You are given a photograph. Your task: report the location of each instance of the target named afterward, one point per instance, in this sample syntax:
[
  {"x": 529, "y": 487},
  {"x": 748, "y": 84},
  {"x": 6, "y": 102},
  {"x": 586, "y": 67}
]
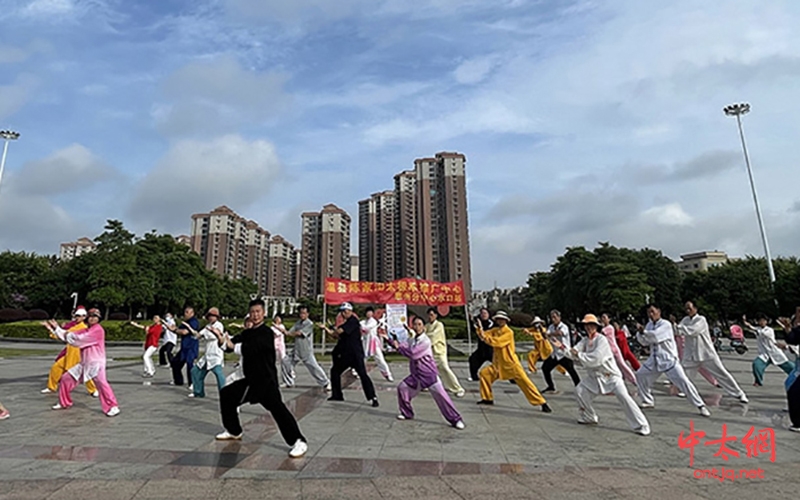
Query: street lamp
[
  {"x": 6, "y": 135},
  {"x": 738, "y": 110}
]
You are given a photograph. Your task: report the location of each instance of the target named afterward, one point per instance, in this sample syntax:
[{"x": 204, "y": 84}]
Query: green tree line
[
  {"x": 128, "y": 274},
  {"x": 621, "y": 281}
]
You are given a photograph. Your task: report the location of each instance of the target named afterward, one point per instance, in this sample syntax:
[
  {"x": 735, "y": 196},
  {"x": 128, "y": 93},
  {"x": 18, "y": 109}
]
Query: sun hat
[
  {"x": 213, "y": 312},
  {"x": 80, "y": 311},
  {"x": 501, "y": 315},
  {"x": 347, "y": 306},
  {"x": 95, "y": 312},
  {"x": 590, "y": 318},
  {"x": 537, "y": 320}
]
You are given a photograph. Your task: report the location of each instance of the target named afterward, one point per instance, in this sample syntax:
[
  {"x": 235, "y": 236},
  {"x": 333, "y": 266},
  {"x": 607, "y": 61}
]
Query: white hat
[
  {"x": 80, "y": 312},
  {"x": 501, "y": 315},
  {"x": 347, "y": 306},
  {"x": 536, "y": 320}
]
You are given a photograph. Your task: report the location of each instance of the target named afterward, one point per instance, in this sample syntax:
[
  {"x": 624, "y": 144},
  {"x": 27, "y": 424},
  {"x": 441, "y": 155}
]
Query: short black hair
[
  {"x": 434, "y": 311},
  {"x": 257, "y": 302},
  {"x": 653, "y": 304},
  {"x": 368, "y": 309},
  {"x": 302, "y": 308},
  {"x": 761, "y": 316}
]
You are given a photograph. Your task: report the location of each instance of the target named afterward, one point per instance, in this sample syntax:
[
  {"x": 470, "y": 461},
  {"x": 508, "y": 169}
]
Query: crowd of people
[{"x": 679, "y": 350}]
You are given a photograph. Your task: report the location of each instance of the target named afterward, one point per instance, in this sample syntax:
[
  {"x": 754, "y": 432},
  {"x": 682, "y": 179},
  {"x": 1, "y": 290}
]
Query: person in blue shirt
[{"x": 190, "y": 346}]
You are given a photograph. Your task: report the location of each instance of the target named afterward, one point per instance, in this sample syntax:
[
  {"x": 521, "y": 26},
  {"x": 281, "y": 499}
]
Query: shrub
[
  {"x": 118, "y": 316},
  {"x": 38, "y": 315},
  {"x": 520, "y": 320},
  {"x": 115, "y": 331},
  {"x": 10, "y": 315}
]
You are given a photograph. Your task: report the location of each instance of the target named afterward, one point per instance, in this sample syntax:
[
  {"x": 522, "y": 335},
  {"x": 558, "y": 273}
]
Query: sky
[{"x": 582, "y": 121}]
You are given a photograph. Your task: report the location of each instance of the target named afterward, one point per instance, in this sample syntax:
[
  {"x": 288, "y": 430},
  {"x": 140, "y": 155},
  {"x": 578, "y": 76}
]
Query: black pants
[
  {"x": 233, "y": 396},
  {"x": 165, "y": 354},
  {"x": 341, "y": 365},
  {"x": 793, "y": 395},
  {"x": 482, "y": 354},
  {"x": 177, "y": 364},
  {"x": 551, "y": 362}
]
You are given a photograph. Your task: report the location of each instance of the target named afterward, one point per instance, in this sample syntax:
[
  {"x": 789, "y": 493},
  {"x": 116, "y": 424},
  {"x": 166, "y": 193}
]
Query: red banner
[{"x": 409, "y": 291}]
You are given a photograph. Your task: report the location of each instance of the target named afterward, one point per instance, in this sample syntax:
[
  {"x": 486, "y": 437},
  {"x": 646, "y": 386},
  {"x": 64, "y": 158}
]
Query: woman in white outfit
[
  {"x": 603, "y": 377},
  {"x": 373, "y": 346}
]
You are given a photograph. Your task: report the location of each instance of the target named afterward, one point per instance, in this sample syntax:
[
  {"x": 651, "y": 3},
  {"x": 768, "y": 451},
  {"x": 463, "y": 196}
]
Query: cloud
[
  {"x": 15, "y": 95},
  {"x": 34, "y": 223},
  {"x": 63, "y": 171},
  {"x": 297, "y": 11},
  {"x": 473, "y": 70},
  {"x": 49, "y": 8},
  {"x": 703, "y": 166},
  {"x": 668, "y": 215},
  {"x": 196, "y": 176},
  {"x": 14, "y": 54},
  {"x": 218, "y": 95}
]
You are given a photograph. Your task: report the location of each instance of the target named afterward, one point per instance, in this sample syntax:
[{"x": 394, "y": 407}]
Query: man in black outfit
[
  {"x": 349, "y": 353},
  {"x": 484, "y": 352},
  {"x": 256, "y": 345}
]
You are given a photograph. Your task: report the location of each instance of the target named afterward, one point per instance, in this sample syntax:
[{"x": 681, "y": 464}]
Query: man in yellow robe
[
  {"x": 505, "y": 364},
  {"x": 69, "y": 357}
]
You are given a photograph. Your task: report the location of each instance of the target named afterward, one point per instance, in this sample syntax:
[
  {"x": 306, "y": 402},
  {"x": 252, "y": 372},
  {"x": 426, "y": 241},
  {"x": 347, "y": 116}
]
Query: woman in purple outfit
[{"x": 424, "y": 375}]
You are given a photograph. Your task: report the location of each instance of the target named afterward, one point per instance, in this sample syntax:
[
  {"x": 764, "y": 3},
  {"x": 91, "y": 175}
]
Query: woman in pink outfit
[
  {"x": 92, "y": 343},
  {"x": 610, "y": 334}
]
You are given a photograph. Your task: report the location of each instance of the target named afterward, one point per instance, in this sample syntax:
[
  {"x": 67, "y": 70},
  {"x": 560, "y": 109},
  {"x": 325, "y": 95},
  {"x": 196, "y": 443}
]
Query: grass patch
[{"x": 20, "y": 353}]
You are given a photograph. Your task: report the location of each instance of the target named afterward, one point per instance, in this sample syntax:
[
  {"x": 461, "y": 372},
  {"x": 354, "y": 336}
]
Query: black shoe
[
  {"x": 546, "y": 408},
  {"x": 549, "y": 389},
  {"x": 512, "y": 381},
  {"x": 335, "y": 399},
  {"x": 375, "y": 403},
  {"x": 486, "y": 402}
]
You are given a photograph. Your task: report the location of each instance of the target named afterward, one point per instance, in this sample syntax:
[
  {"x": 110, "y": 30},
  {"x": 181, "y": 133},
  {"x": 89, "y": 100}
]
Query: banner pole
[
  {"x": 324, "y": 322},
  {"x": 469, "y": 330}
]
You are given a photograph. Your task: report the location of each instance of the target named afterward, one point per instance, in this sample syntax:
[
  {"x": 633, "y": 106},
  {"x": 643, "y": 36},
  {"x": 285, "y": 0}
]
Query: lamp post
[
  {"x": 7, "y": 136},
  {"x": 738, "y": 110}
]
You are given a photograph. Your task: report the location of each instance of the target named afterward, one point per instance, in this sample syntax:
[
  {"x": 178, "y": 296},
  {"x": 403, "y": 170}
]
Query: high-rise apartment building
[
  {"x": 325, "y": 248},
  {"x": 405, "y": 225},
  {"x": 376, "y": 237},
  {"x": 233, "y": 246},
  {"x": 281, "y": 268},
  {"x": 76, "y": 248}
]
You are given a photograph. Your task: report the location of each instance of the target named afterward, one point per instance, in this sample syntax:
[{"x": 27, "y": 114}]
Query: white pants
[
  {"x": 149, "y": 367},
  {"x": 716, "y": 368},
  {"x": 449, "y": 378},
  {"x": 383, "y": 366},
  {"x": 645, "y": 378},
  {"x": 633, "y": 414}
]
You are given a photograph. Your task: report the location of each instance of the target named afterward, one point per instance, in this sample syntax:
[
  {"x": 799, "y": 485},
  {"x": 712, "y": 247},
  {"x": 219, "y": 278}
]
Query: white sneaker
[
  {"x": 704, "y": 411},
  {"x": 58, "y": 407},
  {"x": 681, "y": 394},
  {"x": 647, "y": 405},
  {"x": 584, "y": 421},
  {"x": 191, "y": 387},
  {"x": 643, "y": 431},
  {"x": 190, "y": 395},
  {"x": 401, "y": 417},
  {"x": 113, "y": 412},
  {"x": 461, "y": 393},
  {"x": 794, "y": 429},
  {"x": 390, "y": 378},
  {"x": 460, "y": 425},
  {"x": 96, "y": 394},
  {"x": 46, "y": 391},
  {"x": 227, "y": 436},
  {"x": 328, "y": 387},
  {"x": 743, "y": 399},
  {"x": 299, "y": 449}
]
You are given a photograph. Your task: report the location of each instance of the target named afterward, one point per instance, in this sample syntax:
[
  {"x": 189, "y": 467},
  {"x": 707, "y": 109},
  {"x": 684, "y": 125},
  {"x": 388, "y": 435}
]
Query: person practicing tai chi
[
  {"x": 699, "y": 352},
  {"x": 256, "y": 345},
  {"x": 680, "y": 343},
  {"x": 348, "y": 353},
  {"x": 190, "y": 346},
  {"x": 303, "y": 333},
  {"x": 423, "y": 375},
  {"x": 213, "y": 360},
  {"x": 170, "y": 341},
  {"x": 603, "y": 377},
  {"x": 435, "y": 332},
  {"x": 558, "y": 333},
  {"x": 768, "y": 351},
  {"x": 505, "y": 364},
  {"x": 792, "y": 383},
  {"x": 92, "y": 344},
  {"x": 373, "y": 347},
  {"x": 153, "y": 333},
  {"x": 663, "y": 359},
  {"x": 624, "y": 348},
  {"x": 608, "y": 331},
  {"x": 483, "y": 352},
  {"x": 69, "y": 356}
]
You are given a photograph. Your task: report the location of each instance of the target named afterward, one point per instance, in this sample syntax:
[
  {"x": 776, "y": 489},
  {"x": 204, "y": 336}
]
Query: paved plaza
[{"x": 162, "y": 444}]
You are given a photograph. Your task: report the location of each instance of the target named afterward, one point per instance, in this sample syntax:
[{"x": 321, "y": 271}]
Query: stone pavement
[{"x": 162, "y": 446}]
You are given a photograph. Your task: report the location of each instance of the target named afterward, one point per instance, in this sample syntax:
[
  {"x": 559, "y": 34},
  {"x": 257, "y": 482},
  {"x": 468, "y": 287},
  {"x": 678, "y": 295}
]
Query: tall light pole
[
  {"x": 7, "y": 136},
  {"x": 738, "y": 110}
]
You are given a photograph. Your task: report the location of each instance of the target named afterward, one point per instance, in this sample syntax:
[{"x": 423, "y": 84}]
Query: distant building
[
  {"x": 354, "y": 268},
  {"x": 183, "y": 240},
  {"x": 510, "y": 298},
  {"x": 702, "y": 261},
  {"x": 325, "y": 248},
  {"x": 233, "y": 246},
  {"x": 76, "y": 248},
  {"x": 376, "y": 237}
]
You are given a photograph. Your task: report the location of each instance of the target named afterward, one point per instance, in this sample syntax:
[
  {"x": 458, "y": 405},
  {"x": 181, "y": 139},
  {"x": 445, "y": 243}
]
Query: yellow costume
[
  {"x": 506, "y": 366},
  {"x": 542, "y": 349},
  {"x": 67, "y": 361},
  {"x": 435, "y": 332}
]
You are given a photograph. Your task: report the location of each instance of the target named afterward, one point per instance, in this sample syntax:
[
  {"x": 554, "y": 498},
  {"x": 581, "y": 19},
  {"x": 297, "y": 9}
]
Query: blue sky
[{"x": 582, "y": 121}]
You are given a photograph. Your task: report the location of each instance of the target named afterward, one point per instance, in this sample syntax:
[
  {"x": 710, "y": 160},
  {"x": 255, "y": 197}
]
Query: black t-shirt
[
  {"x": 349, "y": 343},
  {"x": 258, "y": 360}
]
